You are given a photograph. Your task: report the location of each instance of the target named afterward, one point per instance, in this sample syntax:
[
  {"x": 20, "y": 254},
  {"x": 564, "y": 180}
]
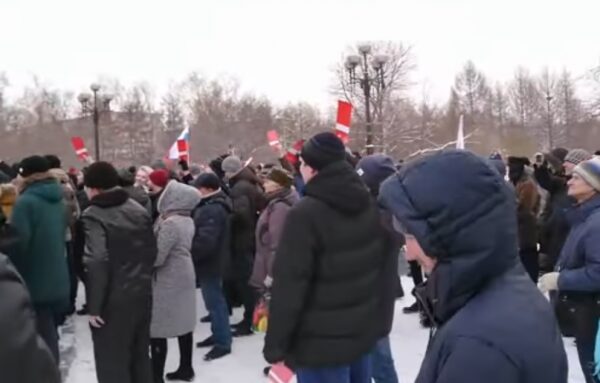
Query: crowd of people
[{"x": 317, "y": 238}]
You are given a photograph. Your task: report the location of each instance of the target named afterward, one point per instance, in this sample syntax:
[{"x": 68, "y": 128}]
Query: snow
[{"x": 246, "y": 362}]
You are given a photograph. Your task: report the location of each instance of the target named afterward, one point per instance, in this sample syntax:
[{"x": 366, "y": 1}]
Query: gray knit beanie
[{"x": 577, "y": 156}]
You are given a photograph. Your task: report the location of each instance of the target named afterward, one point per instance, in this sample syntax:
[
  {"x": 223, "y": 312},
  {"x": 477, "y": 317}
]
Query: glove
[
  {"x": 184, "y": 165},
  {"x": 548, "y": 282},
  {"x": 268, "y": 282}
]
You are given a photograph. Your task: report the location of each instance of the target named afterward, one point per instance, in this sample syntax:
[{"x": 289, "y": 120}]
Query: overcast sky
[{"x": 285, "y": 49}]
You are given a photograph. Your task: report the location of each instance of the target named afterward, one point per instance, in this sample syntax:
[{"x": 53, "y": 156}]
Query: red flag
[
  {"x": 344, "y": 118},
  {"x": 293, "y": 152},
  {"x": 273, "y": 138},
  {"x": 279, "y": 373},
  {"x": 80, "y": 148},
  {"x": 182, "y": 147}
]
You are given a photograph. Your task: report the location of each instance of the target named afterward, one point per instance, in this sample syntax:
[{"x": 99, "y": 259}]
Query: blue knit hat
[{"x": 375, "y": 169}]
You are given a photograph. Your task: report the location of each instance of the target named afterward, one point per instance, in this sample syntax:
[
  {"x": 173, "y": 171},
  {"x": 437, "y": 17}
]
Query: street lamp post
[
  {"x": 95, "y": 104},
  {"x": 372, "y": 78}
]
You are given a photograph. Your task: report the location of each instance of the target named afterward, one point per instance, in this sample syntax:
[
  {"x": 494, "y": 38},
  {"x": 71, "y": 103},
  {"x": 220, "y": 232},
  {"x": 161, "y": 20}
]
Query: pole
[
  {"x": 366, "y": 85},
  {"x": 550, "y": 135},
  {"x": 96, "y": 118}
]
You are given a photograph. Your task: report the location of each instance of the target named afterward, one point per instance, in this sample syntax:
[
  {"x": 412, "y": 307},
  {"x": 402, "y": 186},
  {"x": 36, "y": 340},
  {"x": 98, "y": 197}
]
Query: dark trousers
[
  {"x": 214, "y": 300},
  {"x": 384, "y": 370},
  {"x": 529, "y": 258},
  {"x": 357, "y": 372},
  {"x": 121, "y": 345},
  {"x": 73, "y": 280},
  {"x": 415, "y": 272},
  {"x": 586, "y": 327},
  {"x": 47, "y": 329},
  {"x": 158, "y": 349},
  {"x": 249, "y": 299}
]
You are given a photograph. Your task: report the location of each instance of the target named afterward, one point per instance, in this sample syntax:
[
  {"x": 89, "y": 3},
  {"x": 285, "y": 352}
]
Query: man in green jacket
[{"x": 40, "y": 257}]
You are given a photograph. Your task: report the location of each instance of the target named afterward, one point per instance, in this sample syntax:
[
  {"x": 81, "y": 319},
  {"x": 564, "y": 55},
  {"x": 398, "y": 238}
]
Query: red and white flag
[
  {"x": 279, "y": 373},
  {"x": 273, "y": 138},
  {"x": 80, "y": 148},
  {"x": 182, "y": 148},
  {"x": 344, "y": 118}
]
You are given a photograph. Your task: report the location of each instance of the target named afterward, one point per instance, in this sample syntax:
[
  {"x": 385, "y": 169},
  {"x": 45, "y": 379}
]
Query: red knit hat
[{"x": 159, "y": 177}]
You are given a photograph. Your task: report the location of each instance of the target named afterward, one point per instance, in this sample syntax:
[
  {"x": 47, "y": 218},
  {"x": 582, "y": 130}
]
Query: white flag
[{"x": 460, "y": 139}]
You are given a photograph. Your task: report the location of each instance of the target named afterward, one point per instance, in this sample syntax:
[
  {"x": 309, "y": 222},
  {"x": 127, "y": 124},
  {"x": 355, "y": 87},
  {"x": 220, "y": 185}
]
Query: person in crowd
[
  {"x": 120, "y": 252},
  {"x": 8, "y": 195},
  {"x": 174, "y": 282},
  {"x": 215, "y": 167},
  {"x": 136, "y": 193},
  {"x": 24, "y": 356},
  {"x": 326, "y": 308},
  {"x": 553, "y": 226},
  {"x": 157, "y": 181},
  {"x": 574, "y": 158},
  {"x": 280, "y": 197},
  {"x": 290, "y": 161},
  {"x": 374, "y": 170},
  {"x": 211, "y": 252},
  {"x": 39, "y": 218},
  {"x": 142, "y": 177},
  {"x": 492, "y": 325},
  {"x": 185, "y": 175},
  {"x": 577, "y": 278},
  {"x": 72, "y": 214},
  {"x": 247, "y": 200},
  {"x": 527, "y": 208},
  {"x": 497, "y": 162}
]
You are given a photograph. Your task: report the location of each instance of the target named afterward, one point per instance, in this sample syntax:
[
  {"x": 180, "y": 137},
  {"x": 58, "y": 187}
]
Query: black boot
[
  {"x": 216, "y": 353},
  {"x": 185, "y": 375},
  {"x": 158, "y": 350},
  {"x": 242, "y": 331},
  {"x": 205, "y": 319},
  {"x": 412, "y": 309},
  {"x": 185, "y": 372},
  {"x": 208, "y": 342}
]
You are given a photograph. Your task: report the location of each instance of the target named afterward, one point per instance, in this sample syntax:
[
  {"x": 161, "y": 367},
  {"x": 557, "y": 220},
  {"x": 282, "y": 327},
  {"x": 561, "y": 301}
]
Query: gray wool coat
[{"x": 174, "y": 284}]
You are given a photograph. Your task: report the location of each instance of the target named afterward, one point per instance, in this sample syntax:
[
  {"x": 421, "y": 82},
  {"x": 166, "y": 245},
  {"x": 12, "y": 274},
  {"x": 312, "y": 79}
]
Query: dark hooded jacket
[
  {"x": 327, "y": 308},
  {"x": 211, "y": 247},
  {"x": 493, "y": 325},
  {"x": 24, "y": 357},
  {"x": 247, "y": 200}
]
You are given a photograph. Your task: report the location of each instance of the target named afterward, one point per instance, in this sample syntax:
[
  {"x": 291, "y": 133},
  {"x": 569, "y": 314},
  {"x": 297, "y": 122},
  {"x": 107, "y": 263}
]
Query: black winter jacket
[
  {"x": 327, "y": 305},
  {"x": 493, "y": 325},
  {"x": 120, "y": 250},
  {"x": 247, "y": 200},
  {"x": 24, "y": 357},
  {"x": 211, "y": 247}
]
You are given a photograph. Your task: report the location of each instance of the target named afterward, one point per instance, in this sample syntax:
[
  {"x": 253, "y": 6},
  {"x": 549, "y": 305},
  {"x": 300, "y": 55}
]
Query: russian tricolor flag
[{"x": 174, "y": 151}]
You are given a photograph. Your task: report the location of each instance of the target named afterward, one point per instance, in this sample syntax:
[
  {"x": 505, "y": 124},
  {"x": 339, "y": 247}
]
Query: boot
[
  {"x": 216, "y": 353},
  {"x": 185, "y": 375},
  {"x": 208, "y": 342}
]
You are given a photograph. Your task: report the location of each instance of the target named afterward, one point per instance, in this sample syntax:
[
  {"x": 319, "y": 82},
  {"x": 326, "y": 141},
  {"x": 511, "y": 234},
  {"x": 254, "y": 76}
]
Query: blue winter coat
[
  {"x": 493, "y": 325},
  {"x": 579, "y": 262}
]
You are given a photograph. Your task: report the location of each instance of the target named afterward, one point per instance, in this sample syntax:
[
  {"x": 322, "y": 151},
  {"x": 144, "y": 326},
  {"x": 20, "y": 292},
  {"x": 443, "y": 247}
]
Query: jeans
[
  {"x": 382, "y": 362},
  {"x": 214, "y": 300},
  {"x": 586, "y": 344},
  {"x": 357, "y": 372},
  {"x": 47, "y": 329}
]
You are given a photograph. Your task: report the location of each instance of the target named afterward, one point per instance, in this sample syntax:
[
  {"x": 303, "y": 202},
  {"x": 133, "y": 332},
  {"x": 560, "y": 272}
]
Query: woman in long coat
[{"x": 174, "y": 285}]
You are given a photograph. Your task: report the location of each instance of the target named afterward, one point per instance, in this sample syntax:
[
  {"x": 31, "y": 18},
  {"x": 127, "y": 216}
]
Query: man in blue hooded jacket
[{"x": 490, "y": 322}]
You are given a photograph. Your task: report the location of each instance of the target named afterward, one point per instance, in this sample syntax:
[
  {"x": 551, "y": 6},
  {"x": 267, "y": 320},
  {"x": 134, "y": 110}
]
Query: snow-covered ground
[{"x": 246, "y": 363}]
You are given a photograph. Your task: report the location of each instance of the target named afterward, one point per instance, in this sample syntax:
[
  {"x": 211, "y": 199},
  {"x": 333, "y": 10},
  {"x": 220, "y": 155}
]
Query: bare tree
[
  {"x": 299, "y": 121},
  {"x": 500, "y": 108},
  {"x": 547, "y": 85},
  {"x": 396, "y": 77},
  {"x": 524, "y": 98},
  {"x": 473, "y": 93}
]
